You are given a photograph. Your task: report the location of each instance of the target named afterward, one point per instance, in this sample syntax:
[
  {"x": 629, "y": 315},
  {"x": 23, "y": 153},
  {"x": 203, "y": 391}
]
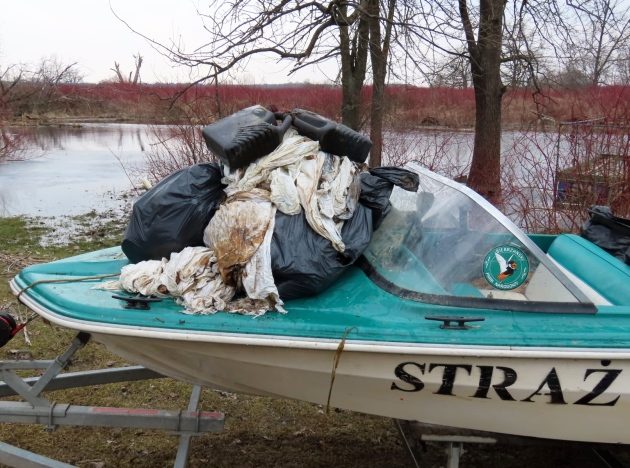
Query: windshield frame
[
  {"x": 583, "y": 305},
  {"x": 473, "y": 302}
]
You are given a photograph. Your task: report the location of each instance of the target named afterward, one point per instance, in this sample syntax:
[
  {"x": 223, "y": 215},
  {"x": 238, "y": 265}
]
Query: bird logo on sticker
[{"x": 505, "y": 267}]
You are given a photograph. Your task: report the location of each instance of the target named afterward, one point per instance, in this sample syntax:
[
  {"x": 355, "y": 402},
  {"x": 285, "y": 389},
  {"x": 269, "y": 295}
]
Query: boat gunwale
[{"x": 319, "y": 344}]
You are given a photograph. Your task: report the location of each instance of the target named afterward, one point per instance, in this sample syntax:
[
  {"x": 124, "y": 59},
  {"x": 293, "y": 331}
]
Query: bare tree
[
  {"x": 24, "y": 90},
  {"x": 485, "y": 62},
  {"x": 119, "y": 75},
  {"x": 463, "y": 30},
  {"x": 10, "y": 77},
  {"x": 175, "y": 147},
  {"x": 450, "y": 71},
  {"x": 136, "y": 73},
  {"x": 379, "y": 55},
  {"x": 601, "y": 31},
  {"x": 570, "y": 76},
  {"x": 605, "y": 22},
  {"x": 308, "y": 33},
  {"x": 50, "y": 73},
  {"x": 497, "y": 43},
  {"x": 622, "y": 65},
  {"x": 353, "y": 53},
  {"x": 11, "y": 143}
]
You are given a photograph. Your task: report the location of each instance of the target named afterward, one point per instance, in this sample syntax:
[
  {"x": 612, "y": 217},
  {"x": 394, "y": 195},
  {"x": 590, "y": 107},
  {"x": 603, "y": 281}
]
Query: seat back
[{"x": 607, "y": 275}]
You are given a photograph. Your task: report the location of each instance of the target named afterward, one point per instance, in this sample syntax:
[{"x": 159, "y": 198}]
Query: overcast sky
[{"x": 87, "y": 32}]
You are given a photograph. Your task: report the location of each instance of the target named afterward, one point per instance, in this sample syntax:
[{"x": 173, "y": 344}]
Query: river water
[{"x": 73, "y": 170}]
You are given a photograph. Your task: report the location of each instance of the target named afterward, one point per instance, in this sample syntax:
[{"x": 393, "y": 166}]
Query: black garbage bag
[
  {"x": 174, "y": 213},
  {"x": 377, "y": 186},
  {"x": 304, "y": 263},
  {"x": 608, "y": 232}
]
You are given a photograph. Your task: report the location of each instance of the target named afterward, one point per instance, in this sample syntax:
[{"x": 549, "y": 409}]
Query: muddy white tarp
[
  {"x": 240, "y": 234},
  {"x": 190, "y": 276}
]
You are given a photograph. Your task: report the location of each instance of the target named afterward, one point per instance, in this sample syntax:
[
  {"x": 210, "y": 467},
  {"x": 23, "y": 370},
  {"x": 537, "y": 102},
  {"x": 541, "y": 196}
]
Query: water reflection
[
  {"x": 115, "y": 136},
  {"x": 77, "y": 169},
  {"x": 445, "y": 151}
]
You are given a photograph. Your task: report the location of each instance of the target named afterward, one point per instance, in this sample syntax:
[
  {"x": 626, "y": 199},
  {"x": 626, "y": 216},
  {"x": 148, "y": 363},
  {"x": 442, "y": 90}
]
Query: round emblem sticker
[{"x": 505, "y": 267}]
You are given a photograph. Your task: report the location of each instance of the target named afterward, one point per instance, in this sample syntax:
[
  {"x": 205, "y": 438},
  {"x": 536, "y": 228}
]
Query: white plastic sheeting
[
  {"x": 190, "y": 276},
  {"x": 319, "y": 220},
  {"x": 293, "y": 149},
  {"x": 329, "y": 188},
  {"x": 345, "y": 189},
  {"x": 258, "y": 278},
  {"x": 144, "y": 280},
  {"x": 284, "y": 194},
  {"x": 325, "y": 186}
]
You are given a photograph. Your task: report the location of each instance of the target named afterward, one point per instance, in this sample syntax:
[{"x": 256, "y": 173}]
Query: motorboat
[{"x": 453, "y": 316}]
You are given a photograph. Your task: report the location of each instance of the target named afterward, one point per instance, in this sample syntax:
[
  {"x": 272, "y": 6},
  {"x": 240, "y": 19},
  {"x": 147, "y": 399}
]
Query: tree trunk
[
  {"x": 376, "y": 124},
  {"x": 138, "y": 61},
  {"x": 353, "y": 68},
  {"x": 485, "y": 62},
  {"x": 116, "y": 70},
  {"x": 351, "y": 101},
  {"x": 379, "y": 51},
  {"x": 485, "y": 168}
]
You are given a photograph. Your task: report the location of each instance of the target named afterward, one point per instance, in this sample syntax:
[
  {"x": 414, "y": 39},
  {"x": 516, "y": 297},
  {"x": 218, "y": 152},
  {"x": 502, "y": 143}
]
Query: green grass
[{"x": 17, "y": 237}]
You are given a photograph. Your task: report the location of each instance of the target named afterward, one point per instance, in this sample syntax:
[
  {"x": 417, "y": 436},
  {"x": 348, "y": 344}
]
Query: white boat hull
[{"x": 581, "y": 398}]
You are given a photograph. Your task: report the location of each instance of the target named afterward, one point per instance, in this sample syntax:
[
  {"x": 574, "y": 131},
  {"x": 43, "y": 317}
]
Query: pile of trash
[{"x": 287, "y": 211}]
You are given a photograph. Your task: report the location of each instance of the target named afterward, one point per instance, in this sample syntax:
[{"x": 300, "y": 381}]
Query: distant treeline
[{"x": 406, "y": 106}]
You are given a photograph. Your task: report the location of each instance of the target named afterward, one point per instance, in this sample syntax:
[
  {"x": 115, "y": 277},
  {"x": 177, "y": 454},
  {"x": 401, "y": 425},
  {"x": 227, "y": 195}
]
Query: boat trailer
[
  {"x": 38, "y": 410},
  {"x": 416, "y": 435}
]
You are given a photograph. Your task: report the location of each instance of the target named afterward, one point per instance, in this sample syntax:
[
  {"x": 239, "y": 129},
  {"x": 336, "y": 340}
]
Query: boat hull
[
  {"x": 556, "y": 397},
  {"x": 557, "y": 392}
]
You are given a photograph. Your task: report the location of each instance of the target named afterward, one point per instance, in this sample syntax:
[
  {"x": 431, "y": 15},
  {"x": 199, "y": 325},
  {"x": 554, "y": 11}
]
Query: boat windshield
[{"x": 446, "y": 244}]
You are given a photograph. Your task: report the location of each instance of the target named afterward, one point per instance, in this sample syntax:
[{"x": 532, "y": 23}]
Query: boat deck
[{"x": 354, "y": 307}]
